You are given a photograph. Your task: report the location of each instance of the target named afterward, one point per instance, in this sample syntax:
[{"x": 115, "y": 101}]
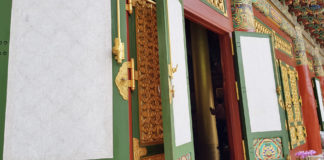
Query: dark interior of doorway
[{"x": 217, "y": 83}]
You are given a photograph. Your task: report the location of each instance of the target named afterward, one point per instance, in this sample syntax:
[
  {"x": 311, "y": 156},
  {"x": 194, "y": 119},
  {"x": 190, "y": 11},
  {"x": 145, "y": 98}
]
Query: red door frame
[{"x": 200, "y": 13}]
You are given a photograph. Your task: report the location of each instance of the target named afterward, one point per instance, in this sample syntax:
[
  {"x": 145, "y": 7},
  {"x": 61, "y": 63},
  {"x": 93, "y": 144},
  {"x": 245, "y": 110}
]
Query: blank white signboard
[
  {"x": 260, "y": 84},
  {"x": 59, "y": 100},
  {"x": 181, "y": 114},
  {"x": 320, "y": 98}
]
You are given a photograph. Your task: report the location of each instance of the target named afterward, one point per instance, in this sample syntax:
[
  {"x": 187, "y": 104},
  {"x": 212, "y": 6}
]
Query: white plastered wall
[{"x": 59, "y": 100}]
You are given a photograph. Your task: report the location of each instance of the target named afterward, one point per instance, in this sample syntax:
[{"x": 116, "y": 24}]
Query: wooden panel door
[
  {"x": 178, "y": 137},
  {"x": 263, "y": 119}
]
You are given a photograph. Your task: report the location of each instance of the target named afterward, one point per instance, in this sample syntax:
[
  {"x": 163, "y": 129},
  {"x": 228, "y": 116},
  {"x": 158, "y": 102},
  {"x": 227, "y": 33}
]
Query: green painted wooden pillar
[
  {"x": 243, "y": 17},
  {"x": 307, "y": 94}
]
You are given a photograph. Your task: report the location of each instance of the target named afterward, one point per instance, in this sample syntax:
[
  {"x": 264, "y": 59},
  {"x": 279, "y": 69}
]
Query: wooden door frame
[{"x": 199, "y": 12}]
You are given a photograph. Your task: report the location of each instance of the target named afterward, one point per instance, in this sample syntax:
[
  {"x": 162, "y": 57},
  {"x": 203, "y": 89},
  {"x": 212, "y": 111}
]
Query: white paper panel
[
  {"x": 320, "y": 98},
  {"x": 60, "y": 81},
  {"x": 260, "y": 84},
  {"x": 180, "y": 101}
]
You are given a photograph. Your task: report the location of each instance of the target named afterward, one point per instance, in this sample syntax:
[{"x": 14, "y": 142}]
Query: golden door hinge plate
[
  {"x": 129, "y": 7},
  {"x": 244, "y": 152},
  {"x": 237, "y": 91},
  {"x": 122, "y": 81},
  {"x": 232, "y": 46},
  {"x": 137, "y": 150}
]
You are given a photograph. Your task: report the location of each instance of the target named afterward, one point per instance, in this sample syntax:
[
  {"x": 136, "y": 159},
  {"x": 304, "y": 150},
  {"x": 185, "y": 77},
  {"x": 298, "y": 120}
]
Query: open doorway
[{"x": 206, "y": 91}]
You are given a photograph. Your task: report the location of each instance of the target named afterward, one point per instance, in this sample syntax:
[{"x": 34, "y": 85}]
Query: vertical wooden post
[{"x": 307, "y": 94}]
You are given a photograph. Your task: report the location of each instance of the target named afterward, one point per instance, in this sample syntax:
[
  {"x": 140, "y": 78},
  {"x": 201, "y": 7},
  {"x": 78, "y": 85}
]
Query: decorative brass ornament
[
  {"x": 118, "y": 49},
  {"x": 149, "y": 94},
  {"x": 122, "y": 81},
  {"x": 171, "y": 71},
  {"x": 129, "y": 7},
  {"x": 154, "y": 157},
  {"x": 138, "y": 151}
]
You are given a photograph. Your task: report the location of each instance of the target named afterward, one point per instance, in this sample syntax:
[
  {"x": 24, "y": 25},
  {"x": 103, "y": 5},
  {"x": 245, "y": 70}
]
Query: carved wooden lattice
[
  {"x": 292, "y": 105},
  {"x": 150, "y": 108}
]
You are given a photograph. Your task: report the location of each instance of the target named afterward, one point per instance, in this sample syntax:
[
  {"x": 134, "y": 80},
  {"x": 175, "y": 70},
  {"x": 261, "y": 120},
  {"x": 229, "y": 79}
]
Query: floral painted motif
[{"x": 267, "y": 148}]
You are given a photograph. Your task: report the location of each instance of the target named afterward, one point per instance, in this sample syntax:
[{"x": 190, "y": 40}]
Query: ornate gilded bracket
[
  {"x": 123, "y": 82},
  {"x": 118, "y": 49},
  {"x": 138, "y": 151}
]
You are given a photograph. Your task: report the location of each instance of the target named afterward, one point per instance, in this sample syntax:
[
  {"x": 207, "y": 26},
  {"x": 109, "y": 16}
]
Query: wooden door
[
  {"x": 265, "y": 136},
  {"x": 178, "y": 137},
  {"x": 146, "y": 99}
]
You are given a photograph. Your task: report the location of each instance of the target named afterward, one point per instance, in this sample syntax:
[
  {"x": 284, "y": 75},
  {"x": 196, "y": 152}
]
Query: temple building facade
[{"x": 161, "y": 79}]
